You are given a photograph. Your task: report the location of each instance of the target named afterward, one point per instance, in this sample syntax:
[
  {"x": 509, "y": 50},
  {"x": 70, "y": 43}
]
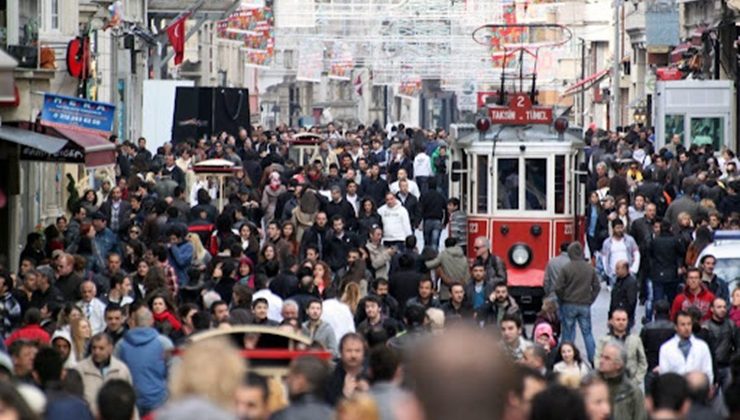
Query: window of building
[{"x": 54, "y": 15}]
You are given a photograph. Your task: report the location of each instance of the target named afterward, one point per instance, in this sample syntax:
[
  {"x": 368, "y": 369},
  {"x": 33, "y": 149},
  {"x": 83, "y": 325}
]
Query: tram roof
[{"x": 517, "y": 134}]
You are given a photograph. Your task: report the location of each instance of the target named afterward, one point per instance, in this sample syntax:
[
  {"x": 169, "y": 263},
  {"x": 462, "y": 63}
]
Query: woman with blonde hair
[
  {"x": 351, "y": 296},
  {"x": 201, "y": 256},
  {"x": 201, "y": 380},
  {"x": 358, "y": 407},
  {"x": 81, "y": 333}
]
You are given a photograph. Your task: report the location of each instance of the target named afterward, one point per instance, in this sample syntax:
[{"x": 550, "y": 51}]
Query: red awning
[
  {"x": 586, "y": 83},
  {"x": 99, "y": 151}
]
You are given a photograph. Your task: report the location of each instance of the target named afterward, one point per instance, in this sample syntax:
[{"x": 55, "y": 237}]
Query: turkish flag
[{"x": 176, "y": 35}]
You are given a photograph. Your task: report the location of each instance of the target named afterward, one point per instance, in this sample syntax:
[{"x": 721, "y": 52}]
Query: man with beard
[
  {"x": 316, "y": 235},
  {"x": 338, "y": 244},
  {"x": 348, "y": 374},
  {"x": 726, "y": 340},
  {"x": 376, "y": 321},
  {"x": 618, "y": 247},
  {"x": 497, "y": 306},
  {"x": 458, "y": 307},
  {"x": 636, "y": 363}
]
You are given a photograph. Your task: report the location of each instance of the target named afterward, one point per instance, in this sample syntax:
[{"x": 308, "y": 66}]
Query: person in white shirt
[
  {"x": 413, "y": 187},
  {"x": 396, "y": 222},
  {"x": 422, "y": 170},
  {"x": 337, "y": 314},
  {"x": 685, "y": 353},
  {"x": 92, "y": 307},
  {"x": 274, "y": 302}
]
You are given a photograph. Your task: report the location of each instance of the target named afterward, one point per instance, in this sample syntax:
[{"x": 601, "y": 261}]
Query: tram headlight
[{"x": 520, "y": 255}]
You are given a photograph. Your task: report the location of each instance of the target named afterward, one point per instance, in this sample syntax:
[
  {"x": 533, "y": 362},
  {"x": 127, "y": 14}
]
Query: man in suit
[{"x": 117, "y": 211}]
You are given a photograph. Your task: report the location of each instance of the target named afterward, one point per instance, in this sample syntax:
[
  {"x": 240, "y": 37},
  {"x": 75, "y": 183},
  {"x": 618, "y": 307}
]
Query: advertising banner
[{"x": 66, "y": 111}]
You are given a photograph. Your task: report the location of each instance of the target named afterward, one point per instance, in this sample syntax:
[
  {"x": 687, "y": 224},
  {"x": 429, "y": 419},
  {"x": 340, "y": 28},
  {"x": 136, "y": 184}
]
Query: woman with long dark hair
[
  {"x": 368, "y": 217},
  {"x": 570, "y": 361}
]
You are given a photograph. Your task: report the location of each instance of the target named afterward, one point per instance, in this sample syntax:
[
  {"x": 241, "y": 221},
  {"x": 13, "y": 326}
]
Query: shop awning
[
  {"x": 99, "y": 151},
  {"x": 47, "y": 144},
  {"x": 586, "y": 83}
]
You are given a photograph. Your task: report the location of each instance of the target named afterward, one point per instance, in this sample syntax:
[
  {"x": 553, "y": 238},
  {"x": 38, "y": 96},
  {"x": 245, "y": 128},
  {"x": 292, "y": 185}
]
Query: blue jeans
[
  {"x": 432, "y": 228},
  {"x": 665, "y": 291},
  {"x": 569, "y": 315}
]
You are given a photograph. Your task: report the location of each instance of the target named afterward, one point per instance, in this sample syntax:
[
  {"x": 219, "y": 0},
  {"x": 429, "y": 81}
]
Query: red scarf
[{"x": 167, "y": 316}]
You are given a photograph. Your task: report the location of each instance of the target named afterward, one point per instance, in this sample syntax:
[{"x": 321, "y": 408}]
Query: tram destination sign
[{"x": 520, "y": 112}]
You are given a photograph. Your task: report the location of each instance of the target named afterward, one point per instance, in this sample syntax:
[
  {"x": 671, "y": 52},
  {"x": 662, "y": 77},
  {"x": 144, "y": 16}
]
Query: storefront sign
[
  {"x": 519, "y": 112},
  {"x": 70, "y": 153},
  {"x": 65, "y": 111}
]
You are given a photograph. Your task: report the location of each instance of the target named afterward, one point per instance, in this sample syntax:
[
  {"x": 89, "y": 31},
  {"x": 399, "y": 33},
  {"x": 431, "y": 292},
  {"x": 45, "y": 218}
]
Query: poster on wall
[
  {"x": 341, "y": 61},
  {"x": 674, "y": 124},
  {"x": 410, "y": 86},
  {"x": 252, "y": 26},
  {"x": 310, "y": 61},
  {"x": 708, "y": 131}
]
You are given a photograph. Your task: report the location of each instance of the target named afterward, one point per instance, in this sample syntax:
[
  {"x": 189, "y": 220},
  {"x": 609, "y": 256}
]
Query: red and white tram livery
[{"x": 516, "y": 176}]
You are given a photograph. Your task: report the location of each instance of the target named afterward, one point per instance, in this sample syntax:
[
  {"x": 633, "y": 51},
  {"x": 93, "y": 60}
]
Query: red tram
[{"x": 517, "y": 177}]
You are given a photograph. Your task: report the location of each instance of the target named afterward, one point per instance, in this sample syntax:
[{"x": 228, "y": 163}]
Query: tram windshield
[
  {"x": 536, "y": 187},
  {"x": 508, "y": 184}
]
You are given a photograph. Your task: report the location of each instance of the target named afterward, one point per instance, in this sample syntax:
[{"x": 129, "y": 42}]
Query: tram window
[
  {"x": 482, "y": 194},
  {"x": 508, "y": 184},
  {"x": 536, "y": 184},
  {"x": 560, "y": 184}
]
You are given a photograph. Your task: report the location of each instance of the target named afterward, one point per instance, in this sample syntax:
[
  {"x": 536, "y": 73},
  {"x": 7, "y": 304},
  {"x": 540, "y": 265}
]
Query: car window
[{"x": 728, "y": 269}]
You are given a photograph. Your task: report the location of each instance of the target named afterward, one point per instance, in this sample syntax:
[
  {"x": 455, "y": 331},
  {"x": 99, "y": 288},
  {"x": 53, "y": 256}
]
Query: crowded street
[{"x": 369, "y": 210}]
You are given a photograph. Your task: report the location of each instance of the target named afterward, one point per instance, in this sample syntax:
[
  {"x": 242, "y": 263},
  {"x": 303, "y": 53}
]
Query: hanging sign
[{"x": 520, "y": 112}]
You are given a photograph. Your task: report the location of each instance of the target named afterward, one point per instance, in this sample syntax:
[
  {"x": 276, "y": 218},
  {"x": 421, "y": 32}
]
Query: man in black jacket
[
  {"x": 172, "y": 170},
  {"x": 654, "y": 334},
  {"x": 315, "y": 236},
  {"x": 338, "y": 206},
  {"x": 338, "y": 244},
  {"x": 433, "y": 205},
  {"x": 666, "y": 264},
  {"x": 642, "y": 231},
  {"x": 404, "y": 283},
  {"x": 373, "y": 186},
  {"x": 726, "y": 340},
  {"x": 624, "y": 293}
]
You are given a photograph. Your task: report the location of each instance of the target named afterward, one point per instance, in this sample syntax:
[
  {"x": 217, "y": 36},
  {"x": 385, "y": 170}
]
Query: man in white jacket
[
  {"x": 685, "y": 353},
  {"x": 396, "y": 222}
]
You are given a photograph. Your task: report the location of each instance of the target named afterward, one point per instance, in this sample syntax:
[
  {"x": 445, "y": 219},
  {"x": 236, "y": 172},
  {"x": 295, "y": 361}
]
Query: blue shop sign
[{"x": 66, "y": 111}]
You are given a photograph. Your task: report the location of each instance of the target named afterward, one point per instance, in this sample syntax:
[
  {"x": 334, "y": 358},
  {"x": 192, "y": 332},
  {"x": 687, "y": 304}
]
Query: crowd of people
[{"x": 360, "y": 249}]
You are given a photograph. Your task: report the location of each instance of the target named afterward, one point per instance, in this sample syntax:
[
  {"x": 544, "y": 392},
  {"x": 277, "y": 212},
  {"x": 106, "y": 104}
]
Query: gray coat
[
  {"x": 552, "y": 272},
  {"x": 578, "y": 283},
  {"x": 454, "y": 265},
  {"x": 324, "y": 334}
]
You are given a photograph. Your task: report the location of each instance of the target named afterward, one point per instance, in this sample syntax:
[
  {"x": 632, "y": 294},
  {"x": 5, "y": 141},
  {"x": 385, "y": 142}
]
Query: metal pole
[
  {"x": 582, "y": 101},
  {"x": 615, "y": 117}
]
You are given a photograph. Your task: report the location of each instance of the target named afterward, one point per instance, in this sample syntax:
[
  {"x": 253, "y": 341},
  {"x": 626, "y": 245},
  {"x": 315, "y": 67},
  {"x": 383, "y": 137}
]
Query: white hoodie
[{"x": 396, "y": 223}]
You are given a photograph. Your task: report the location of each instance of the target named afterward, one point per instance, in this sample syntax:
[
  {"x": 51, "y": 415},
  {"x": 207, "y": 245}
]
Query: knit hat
[{"x": 544, "y": 328}]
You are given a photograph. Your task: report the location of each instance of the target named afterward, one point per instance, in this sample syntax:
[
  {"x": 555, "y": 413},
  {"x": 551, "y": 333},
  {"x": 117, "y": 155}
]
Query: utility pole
[
  {"x": 616, "y": 114},
  {"x": 582, "y": 101}
]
